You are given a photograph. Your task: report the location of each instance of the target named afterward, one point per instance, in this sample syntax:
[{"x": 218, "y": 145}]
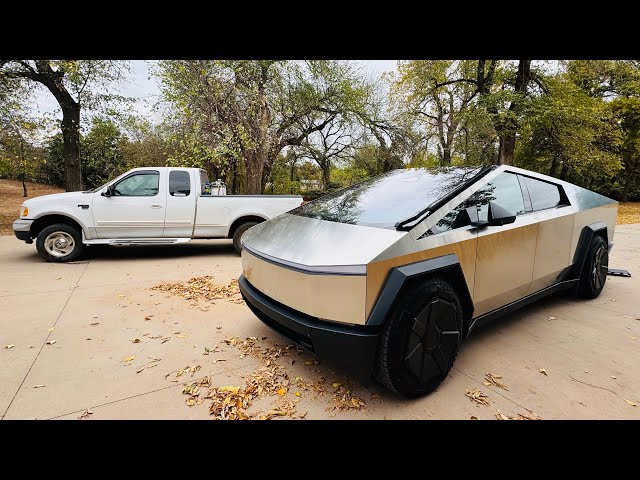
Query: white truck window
[
  {"x": 179, "y": 183},
  {"x": 141, "y": 184}
]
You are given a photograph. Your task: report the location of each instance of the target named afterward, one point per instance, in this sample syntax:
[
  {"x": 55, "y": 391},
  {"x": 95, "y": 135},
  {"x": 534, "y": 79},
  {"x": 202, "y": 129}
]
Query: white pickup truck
[{"x": 144, "y": 206}]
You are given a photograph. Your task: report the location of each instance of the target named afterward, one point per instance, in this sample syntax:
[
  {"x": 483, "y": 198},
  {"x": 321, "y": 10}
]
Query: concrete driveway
[{"x": 74, "y": 329}]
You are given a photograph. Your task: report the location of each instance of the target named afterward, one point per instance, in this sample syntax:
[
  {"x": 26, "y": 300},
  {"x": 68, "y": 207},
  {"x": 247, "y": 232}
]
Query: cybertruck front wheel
[{"x": 420, "y": 340}]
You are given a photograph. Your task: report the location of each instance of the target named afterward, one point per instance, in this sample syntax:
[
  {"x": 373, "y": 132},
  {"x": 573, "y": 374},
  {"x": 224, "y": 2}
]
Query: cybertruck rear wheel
[
  {"x": 420, "y": 340},
  {"x": 594, "y": 272}
]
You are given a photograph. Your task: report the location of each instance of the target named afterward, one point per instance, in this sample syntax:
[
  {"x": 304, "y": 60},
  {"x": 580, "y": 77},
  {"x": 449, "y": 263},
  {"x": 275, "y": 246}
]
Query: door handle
[{"x": 156, "y": 206}]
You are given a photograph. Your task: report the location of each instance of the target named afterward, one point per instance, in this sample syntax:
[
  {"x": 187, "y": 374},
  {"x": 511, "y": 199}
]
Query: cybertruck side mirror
[{"x": 497, "y": 216}]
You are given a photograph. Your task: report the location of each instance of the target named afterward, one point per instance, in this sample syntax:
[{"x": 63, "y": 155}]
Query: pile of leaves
[
  {"x": 529, "y": 415},
  {"x": 201, "y": 289},
  {"x": 343, "y": 399},
  {"x": 628, "y": 213},
  {"x": 268, "y": 380}
]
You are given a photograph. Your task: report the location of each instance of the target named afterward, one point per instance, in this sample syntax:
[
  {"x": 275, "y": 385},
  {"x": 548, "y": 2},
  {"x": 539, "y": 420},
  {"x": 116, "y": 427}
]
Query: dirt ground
[
  {"x": 95, "y": 340},
  {"x": 628, "y": 213},
  {"x": 11, "y": 198}
]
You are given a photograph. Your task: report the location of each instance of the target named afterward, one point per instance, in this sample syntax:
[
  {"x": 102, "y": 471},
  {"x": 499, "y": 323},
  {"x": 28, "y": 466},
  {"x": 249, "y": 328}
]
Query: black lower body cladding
[{"x": 352, "y": 347}]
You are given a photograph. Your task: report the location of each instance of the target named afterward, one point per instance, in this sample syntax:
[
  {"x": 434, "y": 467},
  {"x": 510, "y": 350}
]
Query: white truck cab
[{"x": 154, "y": 205}]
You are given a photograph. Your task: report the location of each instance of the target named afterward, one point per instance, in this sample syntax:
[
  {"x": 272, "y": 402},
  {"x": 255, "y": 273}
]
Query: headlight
[{"x": 24, "y": 212}]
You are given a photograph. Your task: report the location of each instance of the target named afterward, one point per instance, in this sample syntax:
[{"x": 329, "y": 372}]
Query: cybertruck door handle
[{"x": 156, "y": 206}]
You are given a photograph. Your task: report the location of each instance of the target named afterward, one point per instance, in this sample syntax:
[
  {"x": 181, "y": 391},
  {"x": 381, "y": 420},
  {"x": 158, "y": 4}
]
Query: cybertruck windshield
[{"x": 389, "y": 198}]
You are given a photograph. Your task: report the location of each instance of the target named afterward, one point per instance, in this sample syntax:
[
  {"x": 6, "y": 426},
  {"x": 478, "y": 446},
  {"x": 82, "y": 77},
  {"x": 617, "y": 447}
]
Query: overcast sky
[{"x": 143, "y": 86}]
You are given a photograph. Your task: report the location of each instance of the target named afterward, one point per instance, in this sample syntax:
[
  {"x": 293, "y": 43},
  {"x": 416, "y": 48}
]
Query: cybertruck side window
[
  {"x": 544, "y": 194},
  {"x": 504, "y": 190}
]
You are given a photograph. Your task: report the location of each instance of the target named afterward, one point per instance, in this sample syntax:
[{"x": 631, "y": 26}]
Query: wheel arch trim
[
  {"x": 399, "y": 276},
  {"x": 580, "y": 255}
]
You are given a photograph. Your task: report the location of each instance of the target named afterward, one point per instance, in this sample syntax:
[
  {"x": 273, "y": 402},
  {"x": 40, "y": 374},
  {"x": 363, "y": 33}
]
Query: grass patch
[
  {"x": 11, "y": 198},
  {"x": 628, "y": 212}
]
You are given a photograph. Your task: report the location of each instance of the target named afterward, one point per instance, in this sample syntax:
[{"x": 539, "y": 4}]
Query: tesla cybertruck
[{"x": 389, "y": 275}]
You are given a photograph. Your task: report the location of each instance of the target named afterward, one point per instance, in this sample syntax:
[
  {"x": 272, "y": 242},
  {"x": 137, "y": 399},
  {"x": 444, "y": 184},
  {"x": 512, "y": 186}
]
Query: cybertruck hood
[{"x": 312, "y": 243}]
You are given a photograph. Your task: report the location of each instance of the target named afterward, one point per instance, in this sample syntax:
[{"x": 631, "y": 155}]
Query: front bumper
[
  {"x": 353, "y": 347},
  {"x": 22, "y": 230}
]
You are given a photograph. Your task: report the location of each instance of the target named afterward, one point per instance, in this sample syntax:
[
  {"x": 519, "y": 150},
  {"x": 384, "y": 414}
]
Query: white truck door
[
  {"x": 181, "y": 204},
  {"x": 135, "y": 210}
]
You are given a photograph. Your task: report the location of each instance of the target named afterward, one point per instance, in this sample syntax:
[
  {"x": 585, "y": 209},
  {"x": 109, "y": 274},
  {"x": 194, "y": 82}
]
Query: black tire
[
  {"x": 53, "y": 254},
  {"x": 594, "y": 271},
  {"x": 237, "y": 235},
  {"x": 420, "y": 340}
]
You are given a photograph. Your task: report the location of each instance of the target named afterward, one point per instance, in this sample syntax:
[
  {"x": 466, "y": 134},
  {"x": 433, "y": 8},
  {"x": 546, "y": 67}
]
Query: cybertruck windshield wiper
[{"x": 408, "y": 223}]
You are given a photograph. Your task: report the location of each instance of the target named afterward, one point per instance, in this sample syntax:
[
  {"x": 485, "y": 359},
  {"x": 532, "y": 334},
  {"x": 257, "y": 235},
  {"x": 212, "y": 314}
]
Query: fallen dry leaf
[
  {"x": 39, "y": 386},
  {"x": 148, "y": 317},
  {"x": 233, "y": 389},
  {"x": 492, "y": 379},
  {"x": 59, "y": 278},
  {"x": 614, "y": 377},
  {"x": 473, "y": 417},
  {"x": 10, "y": 346},
  {"x": 136, "y": 340},
  {"x": 129, "y": 359},
  {"x": 477, "y": 396},
  {"x": 85, "y": 414},
  {"x": 94, "y": 324},
  {"x": 51, "y": 342},
  {"x": 298, "y": 394},
  {"x": 281, "y": 391},
  {"x": 501, "y": 416},
  {"x": 543, "y": 371},
  {"x": 633, "y": 404},
  {"x": 632, "y": 338},
  {"x": 181, "y": 336},
  {"x": 122, "y": 295},
  {"x": 165, "y": 339},
  {"x": 552, "y": 318},
  {"x": 51, "y": 329}
]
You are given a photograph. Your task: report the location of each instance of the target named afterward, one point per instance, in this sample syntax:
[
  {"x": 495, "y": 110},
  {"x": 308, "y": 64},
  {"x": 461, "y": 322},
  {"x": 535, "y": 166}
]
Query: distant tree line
[{"x": 313, "y": 126}]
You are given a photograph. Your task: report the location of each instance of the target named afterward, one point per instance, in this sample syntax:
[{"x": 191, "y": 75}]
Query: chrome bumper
[
  {"x": 22, "y": 225},
  {"x": 22, "y": 229}
]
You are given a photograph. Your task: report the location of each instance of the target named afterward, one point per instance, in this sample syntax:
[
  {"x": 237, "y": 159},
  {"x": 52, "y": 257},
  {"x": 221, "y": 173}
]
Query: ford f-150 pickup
[{"x": 144, "y": 206}]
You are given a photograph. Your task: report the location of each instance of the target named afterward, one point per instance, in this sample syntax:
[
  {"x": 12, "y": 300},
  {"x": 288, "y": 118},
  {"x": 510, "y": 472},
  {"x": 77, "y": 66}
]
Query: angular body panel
[{"x": 304, "y": 292}]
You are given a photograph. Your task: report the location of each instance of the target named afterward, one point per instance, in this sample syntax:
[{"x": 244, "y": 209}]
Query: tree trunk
[
  {"x": 234, "y": 178},
  {"x": 293, "y": 170},
  {"x": 24, "y": 174},
  {"x": 508, "y": 134},
  {"x": 254, "y": 178},
  {"x": 629, "y": 178},
  {"x": 563, "y": 172},
  {"x": 326, "y": 174},
  {"x": 71, "y": 146},
  {"x": 446, "y": 155},
  {"x": 554, "y": 167},
  {"x": 507, "y": 148}
]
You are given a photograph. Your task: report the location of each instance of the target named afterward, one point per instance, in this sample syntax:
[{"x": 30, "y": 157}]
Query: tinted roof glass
[{"x": 385, "y": 200}]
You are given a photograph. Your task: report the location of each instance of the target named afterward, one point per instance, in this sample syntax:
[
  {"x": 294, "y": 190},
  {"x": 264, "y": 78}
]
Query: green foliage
[
  {"x": 101, "y": 153},
  {"x": 568, "y": 131},
  {"x": 222, "y": 111}
]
